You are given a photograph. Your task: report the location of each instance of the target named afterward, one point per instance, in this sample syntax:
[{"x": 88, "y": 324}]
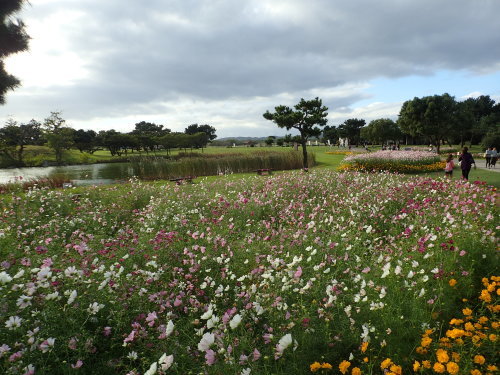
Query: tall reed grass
[
  {"x": 24, "y": 185},
  {"x": 159, "y": 168}
]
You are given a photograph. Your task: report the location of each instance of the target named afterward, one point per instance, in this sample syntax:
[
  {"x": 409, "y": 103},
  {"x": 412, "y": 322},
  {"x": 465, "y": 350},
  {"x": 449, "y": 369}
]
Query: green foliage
[
  {"x": 305, "y": 117},
  {"x": 13, "y": 39}
]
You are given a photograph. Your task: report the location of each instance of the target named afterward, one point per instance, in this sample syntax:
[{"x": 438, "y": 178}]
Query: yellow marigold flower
[
  {"x": 485, "y": 281},
  {"x": 495, "y": 325},
  {"x": 442, "y": 356},
  {"x": 455, "y": 333},
  {"x": 479, "y": 359},
  {"x": 492, "y": 368},
  {"x": 416, "y": 366},
  {"x": 452, "y": 368},
  {"x": 343, "y": 366},
  {"x": 396, "y": 369},
  {"x": 467, "y": 311},
  {"x": 491, "y": 288},
  {"x": 385, "y": 363},
  {"x": 469, "y": 326},
  {"x": 315, "y": 366},
  {"x": 426, "y": 364},
  {"x": 478, "y": 326},
  {"x": 364, "y": 346},
  {"x": 476, "y": 339},
  {"x": 428, "y": 332},
  {"x": 455, "y": 356},
  {"x": 475, "y": 372},
  {"x": 483, "y": 319},
  {"x": 326, "y": 365},
  {"x": 492, "y": 337},
  {"x": 485, "y": 296},
  {"x": 456, "y": 321},
  {"x": 438, "y": 367},
  {"x": 421, "y": 350},
  {"x": 459, "y": 341},
  {"x": 365, "y": 360},
  {"x": 452, "y": 282},
  {"x": 426, "y": 341},
  {"x": 495, "y": 308},
  {"x": 356, "y": 371}
]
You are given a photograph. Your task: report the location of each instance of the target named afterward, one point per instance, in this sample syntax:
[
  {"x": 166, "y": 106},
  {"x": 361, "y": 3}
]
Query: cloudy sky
[{"x": 108, "y": 64}]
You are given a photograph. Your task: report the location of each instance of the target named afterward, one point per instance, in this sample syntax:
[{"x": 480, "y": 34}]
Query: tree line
[
  {"x": 56, "y": 134},
  {"x": 436, "y": 120}
]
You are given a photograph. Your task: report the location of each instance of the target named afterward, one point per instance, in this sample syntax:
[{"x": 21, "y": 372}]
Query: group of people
[
  {"x": 466, "y": 160},
  {"x": 491, "y": 156}
]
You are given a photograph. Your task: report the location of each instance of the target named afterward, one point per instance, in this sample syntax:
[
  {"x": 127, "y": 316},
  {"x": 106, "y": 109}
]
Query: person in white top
[
  {"x": 487, "y": 156},
  {"x": 494, "y": 157}
]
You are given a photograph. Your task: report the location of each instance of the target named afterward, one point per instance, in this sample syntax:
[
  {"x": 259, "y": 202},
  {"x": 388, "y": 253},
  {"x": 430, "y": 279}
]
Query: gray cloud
[{"x": 142, "y": 54}]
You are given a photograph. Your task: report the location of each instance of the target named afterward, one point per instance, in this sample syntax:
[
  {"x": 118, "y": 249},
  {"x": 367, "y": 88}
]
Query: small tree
[
  {"x": 305, "y": 117},
  {"x": 58, "y": 135}
]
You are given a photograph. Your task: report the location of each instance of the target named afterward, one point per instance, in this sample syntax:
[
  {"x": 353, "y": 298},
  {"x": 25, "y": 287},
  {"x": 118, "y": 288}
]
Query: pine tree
[{"x": 13, "y": 39}]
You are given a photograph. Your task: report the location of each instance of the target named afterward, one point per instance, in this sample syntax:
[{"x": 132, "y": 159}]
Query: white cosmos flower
[
  {"x": 5, "y": 278},
  {"x": 284, "y": 342},
  {"x": 94, "y": 308},
  {"x": 152, "y": 369},
  {"x": 132, "y": 355},
  {"x": 170, "y": 328},
  {"x": 206, "y": 341},
  {"x": 166, "y": 361},
  {"x": 72, "y": 297},
  {"x": 235, "y": 321},
  {"x": 13, "y": 322}
]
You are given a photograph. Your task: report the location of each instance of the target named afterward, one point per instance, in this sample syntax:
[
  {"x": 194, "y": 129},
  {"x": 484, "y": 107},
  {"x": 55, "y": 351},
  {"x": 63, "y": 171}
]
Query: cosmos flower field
[{"x": 289, "y": 274}]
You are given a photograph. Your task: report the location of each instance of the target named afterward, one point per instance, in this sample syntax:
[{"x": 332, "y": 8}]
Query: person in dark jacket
[{"x": 466, "y": 160}]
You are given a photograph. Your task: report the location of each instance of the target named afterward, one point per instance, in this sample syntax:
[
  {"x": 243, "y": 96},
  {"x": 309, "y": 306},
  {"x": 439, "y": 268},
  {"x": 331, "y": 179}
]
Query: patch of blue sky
[{"x": 456, "y": 83}]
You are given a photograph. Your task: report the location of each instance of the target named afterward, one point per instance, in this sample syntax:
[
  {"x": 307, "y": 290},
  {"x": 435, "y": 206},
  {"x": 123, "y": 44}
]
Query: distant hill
[{"x": 243, "y": 139}]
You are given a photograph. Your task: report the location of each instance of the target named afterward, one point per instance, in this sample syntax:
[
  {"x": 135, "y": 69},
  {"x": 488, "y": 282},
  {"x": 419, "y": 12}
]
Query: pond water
[{"x": 90, "y": 174}]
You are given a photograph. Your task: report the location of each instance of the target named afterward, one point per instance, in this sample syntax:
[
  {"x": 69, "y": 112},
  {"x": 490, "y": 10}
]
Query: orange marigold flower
[
  {"x": 452, "y": 282},
  {"x": 416, "y": 366},
  {"x": 492, "y": 368},
  {"x": 475, "y": 372},
  {"x": 365, "y": 360},
  {"x": 455, "y": 333},
  {"x": 495, "y": 325},
  {"x": 492, "y": 337},
  {"x": 385, "y": 363},
  {"x": 438, "y": 367},
  {"x": 456, "y": 321},
  {"x": 442, "y": 356},
  {"x": 467, "y": 311},
  {"x": 396, "y": 369},
  {"x": 421, "y": 350},
  {"x": 326, "y": 365},
  {"x": 455, "y": 356},
  {"x": 364, "y": 346},
  {"x": 426, "y": 364},
  {"x": 356, "y": 371},
  {"x": 426, "y": 341},
  {"x": 315, "y": 366},
  {"x": 459, "y": 341},
  {"x": 343, "y": 366},
  {"x": 483, "y": 319},
  {"x": 485, "y": 296},
  {"x": 479, "y": 359},
  {"x": 469, "y": 326},
  {"x": 452, "y": 368},
  {"x": 476, "y": 339}
]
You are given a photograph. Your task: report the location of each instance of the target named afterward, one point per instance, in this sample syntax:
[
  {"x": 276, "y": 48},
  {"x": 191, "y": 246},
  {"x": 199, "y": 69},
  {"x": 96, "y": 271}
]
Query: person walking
[
  {"x": 494, "y": 157},
  {"x": 448, "y": 170},
  {"x": 487, "y": 156},
  {"x": 466, "y": 160}
]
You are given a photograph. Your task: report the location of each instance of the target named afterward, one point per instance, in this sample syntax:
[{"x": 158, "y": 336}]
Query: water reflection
[{"x": 79, "y": 174}]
